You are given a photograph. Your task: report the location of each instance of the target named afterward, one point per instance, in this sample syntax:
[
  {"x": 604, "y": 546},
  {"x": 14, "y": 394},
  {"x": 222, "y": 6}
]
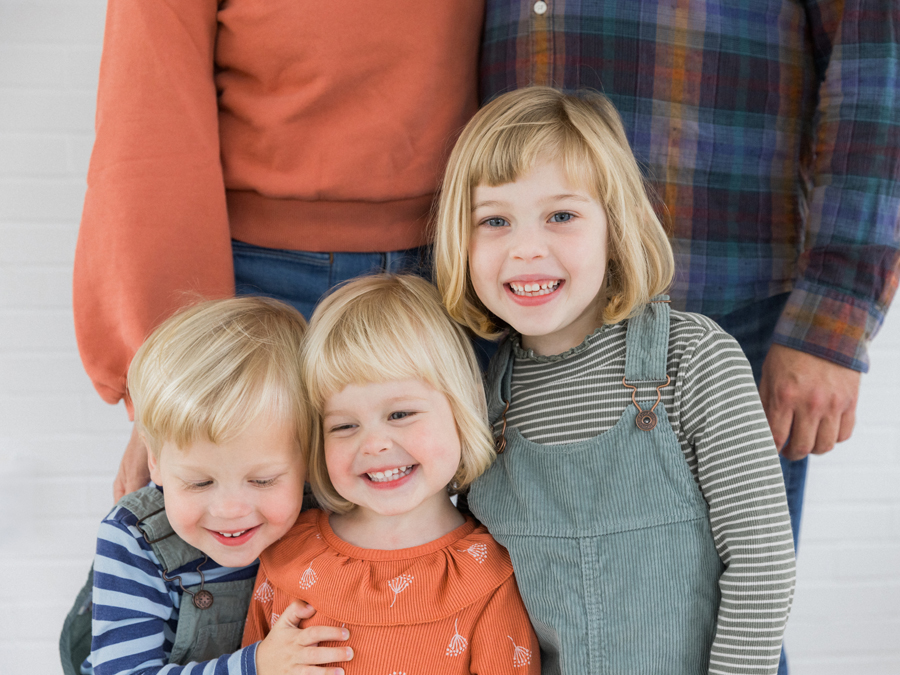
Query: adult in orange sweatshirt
[{"x": 298, "y": 126}]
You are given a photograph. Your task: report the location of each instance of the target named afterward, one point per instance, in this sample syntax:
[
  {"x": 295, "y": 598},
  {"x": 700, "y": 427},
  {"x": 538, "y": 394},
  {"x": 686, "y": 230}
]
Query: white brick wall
[{"x": 60, "y": 445}]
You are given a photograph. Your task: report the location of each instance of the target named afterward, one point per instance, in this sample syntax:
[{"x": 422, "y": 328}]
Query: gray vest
[
  {"x": 204, "y": 632},
  {"x": 609, "y": 537}
]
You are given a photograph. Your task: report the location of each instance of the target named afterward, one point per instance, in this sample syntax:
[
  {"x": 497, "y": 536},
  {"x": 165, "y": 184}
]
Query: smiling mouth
[
  {"x": 390, "y": 474},
  {"x": 229, "y": 535},
  {"x": 533, "y": 289}
]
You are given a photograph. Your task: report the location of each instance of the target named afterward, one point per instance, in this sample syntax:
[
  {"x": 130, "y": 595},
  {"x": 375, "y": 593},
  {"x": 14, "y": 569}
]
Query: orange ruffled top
[{"x": 449, "y": 606}]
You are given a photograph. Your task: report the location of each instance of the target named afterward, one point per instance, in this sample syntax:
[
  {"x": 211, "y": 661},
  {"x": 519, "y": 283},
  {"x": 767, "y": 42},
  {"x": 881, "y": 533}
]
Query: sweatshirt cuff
[
  {"x": 248, "y": 660},
  {"x": 828, "y": 324}
]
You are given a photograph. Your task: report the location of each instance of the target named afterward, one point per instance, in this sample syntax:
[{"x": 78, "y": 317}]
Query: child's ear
[{"x": 153, "y": 465}]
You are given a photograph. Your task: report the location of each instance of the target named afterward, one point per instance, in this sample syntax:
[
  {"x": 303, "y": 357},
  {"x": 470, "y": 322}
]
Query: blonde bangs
[
  {"x": 209, "y": 371},
  {"x": 509, "y": 137},
  {"x": 384, "y": 328}
]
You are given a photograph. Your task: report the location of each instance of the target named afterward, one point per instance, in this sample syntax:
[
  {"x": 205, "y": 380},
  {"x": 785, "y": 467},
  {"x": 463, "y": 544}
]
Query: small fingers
[
  {"x": 316, "y": 634},
  {"x": 317, "y": 656},
  {"x": 294, "y": 613}
]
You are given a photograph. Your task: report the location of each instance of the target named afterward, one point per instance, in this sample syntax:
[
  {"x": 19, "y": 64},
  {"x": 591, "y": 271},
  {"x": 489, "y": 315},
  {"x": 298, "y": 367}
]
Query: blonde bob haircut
[
  {"x": 508, "y": 138},
  {"x": 209, "y": 371},
  {"x": 383, "y": 328}
]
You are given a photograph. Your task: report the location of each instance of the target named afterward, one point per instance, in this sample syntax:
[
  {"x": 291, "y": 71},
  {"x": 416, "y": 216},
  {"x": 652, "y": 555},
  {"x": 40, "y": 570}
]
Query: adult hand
[
  {"x": 808, "y": 399},
  {"x": 291, "y": 650},
  {"x": 133, "y": 471}
]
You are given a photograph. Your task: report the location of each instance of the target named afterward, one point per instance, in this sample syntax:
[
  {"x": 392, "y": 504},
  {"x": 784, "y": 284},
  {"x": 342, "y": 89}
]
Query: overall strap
[
  {"x": 647, "y": 342},
  {"x": 499, "y": 378},
  {"x": 149, "y": 508}
]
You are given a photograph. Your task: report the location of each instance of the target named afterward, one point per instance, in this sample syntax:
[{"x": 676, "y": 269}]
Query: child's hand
[{"x": 291, "y": 650}]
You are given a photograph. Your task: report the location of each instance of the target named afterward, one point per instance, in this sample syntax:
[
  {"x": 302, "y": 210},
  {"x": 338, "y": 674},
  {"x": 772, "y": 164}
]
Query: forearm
[
  {"x": 739, "y": 476},
  {"x": 154, "y": 228},
  {"x": 241, "y": 662},
  {"x": 849, "y": 261}
]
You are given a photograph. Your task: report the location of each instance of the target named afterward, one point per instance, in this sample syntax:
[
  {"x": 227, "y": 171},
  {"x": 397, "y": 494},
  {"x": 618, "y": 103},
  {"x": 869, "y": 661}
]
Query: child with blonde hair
[
  {"x": 218, "y": 399},
  {"x": 637, "y": 488},
  {"x": 399, "y": 424}
]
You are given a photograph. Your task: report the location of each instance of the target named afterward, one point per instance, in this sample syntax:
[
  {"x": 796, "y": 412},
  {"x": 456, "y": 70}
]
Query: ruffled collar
[
  {"x": 373, "y": 587},
  {"x": 529, "y": 354}
]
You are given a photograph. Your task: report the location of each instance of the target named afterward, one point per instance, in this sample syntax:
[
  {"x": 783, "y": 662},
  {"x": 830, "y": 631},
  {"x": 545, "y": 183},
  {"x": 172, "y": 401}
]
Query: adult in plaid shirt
[{"x": 770, "y": 130}]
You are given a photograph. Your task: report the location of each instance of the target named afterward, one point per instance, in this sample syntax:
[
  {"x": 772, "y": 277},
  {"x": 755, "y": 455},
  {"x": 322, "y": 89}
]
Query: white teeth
[
  {"x": 390, "y": 474},
  {"x": 232, "y": 534},
  {"x": 534, "y": 289}
]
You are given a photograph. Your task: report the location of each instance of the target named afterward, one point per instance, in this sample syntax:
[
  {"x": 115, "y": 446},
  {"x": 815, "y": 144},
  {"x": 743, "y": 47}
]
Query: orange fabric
[
  {"x": 450, "y": 606},
  {"x": 301, "y": 125}
]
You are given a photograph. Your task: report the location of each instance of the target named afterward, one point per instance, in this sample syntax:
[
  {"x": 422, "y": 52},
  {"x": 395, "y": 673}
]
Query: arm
[
  {"x": 739, "y": 476},
  {"x": 285, "y": 647},
  {"x": 503, "y": 640},
  {"x": 849, "y": 264},
  {"x": 131, "y": 611},
  {"x": 154, "y": 230},
  {"x": 134, "y": 472}
]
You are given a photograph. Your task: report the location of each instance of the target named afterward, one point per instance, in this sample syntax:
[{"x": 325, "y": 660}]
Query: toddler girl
[
  {"x": 399, "y": 416},
  {"x": 638, "y": 489}
]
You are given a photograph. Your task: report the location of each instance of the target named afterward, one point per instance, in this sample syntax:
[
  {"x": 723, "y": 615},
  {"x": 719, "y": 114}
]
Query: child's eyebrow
[
  {"x": 489, "y": 202},
  {"x": 552, "y": 198}
]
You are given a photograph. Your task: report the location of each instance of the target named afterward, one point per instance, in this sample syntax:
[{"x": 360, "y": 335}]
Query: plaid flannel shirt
[{"x": 770, "y": 129}]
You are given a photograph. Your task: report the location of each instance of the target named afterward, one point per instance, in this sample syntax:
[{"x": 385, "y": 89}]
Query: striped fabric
[
  {"x": 715, "y": 411},
  {"x": 719, "y": 99},
  {"x": 135, "y": 612}
]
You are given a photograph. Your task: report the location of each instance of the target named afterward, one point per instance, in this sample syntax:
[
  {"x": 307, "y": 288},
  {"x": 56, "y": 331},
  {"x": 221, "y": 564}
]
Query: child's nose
[
  {"x": 375, "y": 442},
  {"x": 232, "y": 504},
  {"x": 528, "y": 243}
]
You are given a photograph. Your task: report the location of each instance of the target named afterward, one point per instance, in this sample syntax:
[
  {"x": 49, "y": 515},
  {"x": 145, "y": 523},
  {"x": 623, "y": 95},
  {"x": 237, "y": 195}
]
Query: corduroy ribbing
[{"x": 572, "y": 423}]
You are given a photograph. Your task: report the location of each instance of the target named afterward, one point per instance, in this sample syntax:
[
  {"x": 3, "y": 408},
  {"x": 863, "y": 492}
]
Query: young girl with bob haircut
[
  {"x": 637, "y": 488},
  {"x": 218, "y": 399},
  {"x": 399, "y": 424}
]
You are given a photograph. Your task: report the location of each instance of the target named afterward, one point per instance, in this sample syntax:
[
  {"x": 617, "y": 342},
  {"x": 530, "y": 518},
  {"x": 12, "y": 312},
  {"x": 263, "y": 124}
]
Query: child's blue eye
[
  {"x": 400, "y": 414},
  {"x": 495, "y": 222},
  {"x": 561, "y": 217}
]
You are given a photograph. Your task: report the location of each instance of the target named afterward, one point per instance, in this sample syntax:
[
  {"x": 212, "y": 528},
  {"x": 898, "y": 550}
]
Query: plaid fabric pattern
[{"x": 770, "y": 129}]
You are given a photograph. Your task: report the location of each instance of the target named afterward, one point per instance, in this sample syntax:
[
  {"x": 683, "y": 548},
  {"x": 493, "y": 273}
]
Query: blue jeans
[
  {"x": 753, "y": 328},
  {"x": 302, "y": 278}
]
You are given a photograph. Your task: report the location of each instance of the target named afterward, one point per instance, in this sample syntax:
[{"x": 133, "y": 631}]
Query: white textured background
[{"x": 60, "y": 445}]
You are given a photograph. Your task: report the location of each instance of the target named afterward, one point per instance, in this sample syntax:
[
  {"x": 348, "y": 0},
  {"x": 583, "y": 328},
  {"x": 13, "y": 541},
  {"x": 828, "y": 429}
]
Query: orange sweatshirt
[
  {"x": 315, "y": 126},
  {"x": 450, "y": 606}
]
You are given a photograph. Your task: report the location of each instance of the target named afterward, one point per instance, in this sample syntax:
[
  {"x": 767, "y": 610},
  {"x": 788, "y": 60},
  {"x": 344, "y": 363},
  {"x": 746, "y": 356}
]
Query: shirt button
[{"x": 540, "y": 7}]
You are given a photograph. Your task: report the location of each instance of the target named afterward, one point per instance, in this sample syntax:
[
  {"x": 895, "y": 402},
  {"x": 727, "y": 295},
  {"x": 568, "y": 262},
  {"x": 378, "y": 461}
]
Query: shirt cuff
[
  {"x": 829, "y": 324},
  {"x": 248, "y": 659}
]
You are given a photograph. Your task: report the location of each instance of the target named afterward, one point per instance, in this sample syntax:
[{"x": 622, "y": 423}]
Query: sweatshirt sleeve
[
  {"x": 740, "y": 478},
  {"x": 849, "y": 263},
  {"x": 134, "y": 617},
  {"x": 503, "y": 641},
  {"x": 154, "y": 232}
]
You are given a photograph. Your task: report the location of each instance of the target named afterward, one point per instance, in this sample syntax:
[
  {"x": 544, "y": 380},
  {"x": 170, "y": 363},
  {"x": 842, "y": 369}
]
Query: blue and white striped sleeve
[{"x": 135, "y": 615}]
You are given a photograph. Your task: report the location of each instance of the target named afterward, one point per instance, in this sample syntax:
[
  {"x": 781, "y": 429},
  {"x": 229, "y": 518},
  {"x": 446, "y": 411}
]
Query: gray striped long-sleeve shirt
[{"x": 714, "y": 408}]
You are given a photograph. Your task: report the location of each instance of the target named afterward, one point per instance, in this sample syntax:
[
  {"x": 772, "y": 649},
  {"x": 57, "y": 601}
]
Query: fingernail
[
  {"x": 338, "y": 671},
  {"x": 346, "y": 634},
  {"x": 349, "y": 653}
]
